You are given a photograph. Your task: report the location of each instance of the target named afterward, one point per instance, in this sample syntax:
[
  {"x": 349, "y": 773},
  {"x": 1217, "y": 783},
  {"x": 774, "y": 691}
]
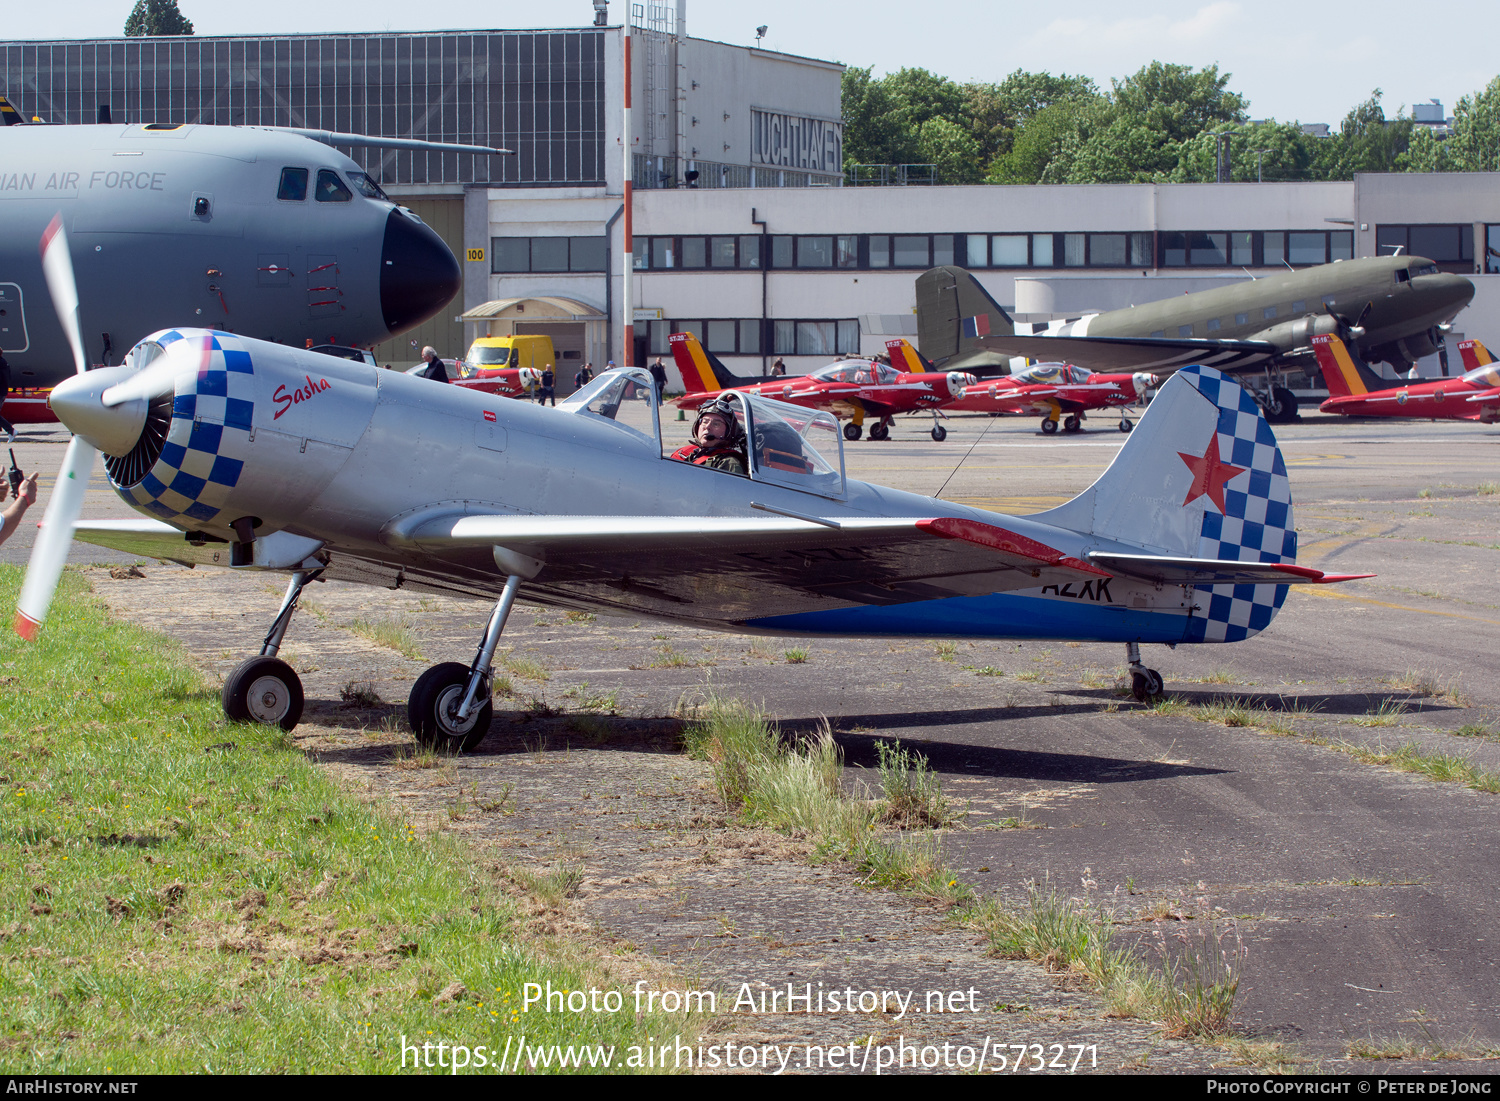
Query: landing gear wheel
[
  {"x": 880, "y": 432},
  {"x": 1281, "y": 406},
  {"x": 1049, "y": 426},
  {"x": 1146, "y": 685},
  {"x": 939, "y": 433},
  {"x": 852, "y": 432},
  {"x": 1073, "y": 424},
  {"x": 431, "y": 707},
  {"x": 263, "y": 690},
  {"x": 1125, "y": 424}
]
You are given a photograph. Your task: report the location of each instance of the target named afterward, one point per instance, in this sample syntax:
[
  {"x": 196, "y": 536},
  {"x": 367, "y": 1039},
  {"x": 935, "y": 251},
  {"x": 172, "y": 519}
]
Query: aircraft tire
[
  {"x": 434, "y": 698},
  {"x": 1125, "y": 424},
  {"x": 1146, "y": 686},
  {"x": 852, "y": 432},
  {"x": 1049, "y": 426},
  {"x": 1282, "y": 406},
  {"x": 880, "y": 432},
  {"x": 263, "y": 690},
  {"x": 939, "y": 433},
  {"x": 1073, "y": 424}
]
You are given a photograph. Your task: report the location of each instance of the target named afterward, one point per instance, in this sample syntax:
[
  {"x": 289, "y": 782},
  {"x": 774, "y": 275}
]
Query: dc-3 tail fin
[
  {"x": 1344, "y": 375},
  {"x": 907, "y": 359},
  {"x": 701, "y": 370},
  {"x": 1474, "y": 355},
  {"x": 954, "y": 312},
  {"x": 1199, "y": 485}
]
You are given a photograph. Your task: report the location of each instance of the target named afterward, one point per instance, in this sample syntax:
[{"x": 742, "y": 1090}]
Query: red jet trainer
[
  {"x": 507, "y": 382},
  {"x": 1355, "y": 390},
  {"x": 855, "y": 388},
  {"x": 1055, "y": 389}
]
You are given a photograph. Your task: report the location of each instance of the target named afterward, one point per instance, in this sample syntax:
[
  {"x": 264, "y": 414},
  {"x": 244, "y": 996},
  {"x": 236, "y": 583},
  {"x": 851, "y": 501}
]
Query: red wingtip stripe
[
  {"x": 25, "y": 626},
  {"x": 987, "y": 535}
]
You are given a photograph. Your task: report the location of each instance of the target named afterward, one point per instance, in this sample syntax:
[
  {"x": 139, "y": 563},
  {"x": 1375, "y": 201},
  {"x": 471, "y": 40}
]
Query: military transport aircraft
[
  {"x": 252, "y": 230},
  {"x": 852, "y": 388},
  {"x": 386, "y": 479},
  {"x": 1052, "y": 389},
  {"x": 1394, "y": 309},
  {"x": 1355, "y": 390}
]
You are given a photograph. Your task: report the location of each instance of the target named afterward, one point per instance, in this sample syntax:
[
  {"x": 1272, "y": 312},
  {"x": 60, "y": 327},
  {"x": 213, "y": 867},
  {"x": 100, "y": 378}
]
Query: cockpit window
[
  {"x": 293, "y": 187},
  {"x": 795, "y": 447},
  {"x": 1425, "y": 269},
  {"x": 1487, "y": 375},
  {"x": 330, "y": 188},
  {"x": 366, "y": 186},
  {"x": 626, "y": 397}
]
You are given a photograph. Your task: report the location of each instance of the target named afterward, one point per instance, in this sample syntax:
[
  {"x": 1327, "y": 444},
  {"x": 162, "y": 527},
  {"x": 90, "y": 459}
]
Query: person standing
[
  {"x": 581, "y": 379},
  {"x": 435, "y": 369},
  {"x": 659, "y": 377},
  {"x": 548, "y": 388},
  {"x": 778, "y": 369}
]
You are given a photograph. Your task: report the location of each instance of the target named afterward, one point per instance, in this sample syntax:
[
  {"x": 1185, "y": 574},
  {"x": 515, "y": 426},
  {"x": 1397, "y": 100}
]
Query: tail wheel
[
  {"x": 939, "y": 433},
  {"x": 263, "y": 690},
  {"x": 852, "y": 432},
  {"x": 1049, "y": 426},
  {"x": 432, "y": 710},
  {"x": 1146, "y": 685}
]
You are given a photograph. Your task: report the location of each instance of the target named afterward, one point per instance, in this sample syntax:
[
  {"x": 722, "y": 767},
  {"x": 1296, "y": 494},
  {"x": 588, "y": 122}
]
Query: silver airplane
[
  {"x": 257, "y": 231},
  {"x": 257, "y": 456}
]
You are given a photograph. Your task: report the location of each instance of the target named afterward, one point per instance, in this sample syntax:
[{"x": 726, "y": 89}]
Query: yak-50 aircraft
[
  {"x": 853, "y": 388},
  {"x": 1355, "y": 390},
  {"x": 386, "y": 479},
  {"x": 1393, "y": 309},
  {"x": 1054, "y": 389},
  {"x": 261, "y": 231}
]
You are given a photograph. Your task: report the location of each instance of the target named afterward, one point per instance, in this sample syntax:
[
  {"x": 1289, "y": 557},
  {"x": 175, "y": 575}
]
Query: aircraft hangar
[{"x": 744, "y": 230}]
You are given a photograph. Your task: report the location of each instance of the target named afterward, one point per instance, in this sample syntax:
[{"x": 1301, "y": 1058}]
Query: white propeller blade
[
  {"x": 57, "y": 265},
  {"x": 50, "y": 551}
]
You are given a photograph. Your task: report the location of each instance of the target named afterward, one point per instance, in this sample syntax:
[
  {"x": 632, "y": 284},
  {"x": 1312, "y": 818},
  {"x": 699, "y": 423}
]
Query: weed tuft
[
  {"x": 912, "y": 793},
  {"x": 393, "y": 632},
  {"x": 795, "y": 657}
]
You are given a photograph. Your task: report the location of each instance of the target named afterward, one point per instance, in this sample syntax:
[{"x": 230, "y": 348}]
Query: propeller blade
[
  {"x": 160, "y": 377},
  {"x": 50, "y": 552},
  {"x": 57, "y": 265}
]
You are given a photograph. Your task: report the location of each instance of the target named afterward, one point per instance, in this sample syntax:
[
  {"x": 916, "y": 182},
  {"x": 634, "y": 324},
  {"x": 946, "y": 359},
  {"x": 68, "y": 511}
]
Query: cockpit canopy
[
  {"x": 1486, "y": 375},
  {"x": 859, "y": 372},
  {"x": 1054, "y": 374}
]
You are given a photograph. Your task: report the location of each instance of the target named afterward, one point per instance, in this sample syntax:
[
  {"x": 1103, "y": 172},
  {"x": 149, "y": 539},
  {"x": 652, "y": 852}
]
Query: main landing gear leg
[
  {"x": 449, "y": 707},
  {"x": 1145, "y": 684},
  {"x": 265, "y": 689}
]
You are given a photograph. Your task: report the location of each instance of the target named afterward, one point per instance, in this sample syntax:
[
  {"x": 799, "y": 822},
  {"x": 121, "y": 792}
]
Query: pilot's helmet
[{"x": 725, "y": 407}]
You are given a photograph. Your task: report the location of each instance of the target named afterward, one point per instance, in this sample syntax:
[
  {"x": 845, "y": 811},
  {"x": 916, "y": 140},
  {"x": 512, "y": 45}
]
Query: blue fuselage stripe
[{"x": 998, "y": 615}]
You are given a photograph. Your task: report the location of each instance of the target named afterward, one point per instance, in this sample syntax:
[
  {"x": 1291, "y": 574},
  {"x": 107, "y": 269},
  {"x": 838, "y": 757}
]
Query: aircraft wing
[
  {"x": 741, "y": 568},
  {"x": 1209, "y": 571},
  {"x": 1118, "y": 353},
  {"x": 151, "y": 539}
]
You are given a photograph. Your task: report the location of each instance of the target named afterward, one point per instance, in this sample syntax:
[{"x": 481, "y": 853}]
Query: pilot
[
  {"x": 718, "y": 440},
  {"x": 10, "y": 519}
]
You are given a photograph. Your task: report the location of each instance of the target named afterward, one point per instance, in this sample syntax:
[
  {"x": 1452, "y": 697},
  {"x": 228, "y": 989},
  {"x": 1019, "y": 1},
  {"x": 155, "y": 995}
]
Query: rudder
[{"x": 954, "y": 313}]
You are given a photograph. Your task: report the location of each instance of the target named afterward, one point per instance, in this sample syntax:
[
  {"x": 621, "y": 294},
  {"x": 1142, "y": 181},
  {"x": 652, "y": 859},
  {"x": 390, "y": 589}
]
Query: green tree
[
  {"x": 1268, "y": 150},
  {"x": 953, "y": 149},
  {"x": 1043, "y": 138},
  {"x": 922, "y": 96},
  {"x": 1474, "y": 144},
  {"x": 1366, "y": 142},
  {"x": 156, "y": 17},
  {"x": 996, "y": 112},
  {"x": 874, "y": 128},
  {"x": 1176, "y": 103}
]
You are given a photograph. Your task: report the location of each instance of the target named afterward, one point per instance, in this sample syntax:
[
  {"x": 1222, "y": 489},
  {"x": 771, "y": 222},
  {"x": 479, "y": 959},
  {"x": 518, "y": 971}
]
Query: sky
[{"x": 1293, "y": 59}]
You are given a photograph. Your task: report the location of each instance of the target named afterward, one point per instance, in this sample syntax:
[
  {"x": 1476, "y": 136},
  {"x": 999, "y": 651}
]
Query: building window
[
  {"x": 977, "y": 250},
  {"x": 814, "y": 338},
  {"x": 912, "y": 252},
  {"x": 1107, "y": 250},
  {"x": 880, "y": 251},
  {"x": 846, "y": 254},
  {"x": 662, "y": 253},
  {"x": 942, "y": 249},
  {"x": 721, "y": 252},
  {"x": 781, "y": 252},
  {"x": 815, "y": 252},
  {"x": 550, "y": 254},
  {"x": 694, "y": 252},
  {"x": 1041, "y": 250},
  {"x": 750, "y": 252},
  {"x": 1451, "y": 247},
  {"x": 1073, "y": 250},
  {"x": 1242, "y": 249},
  {"x": 1011, "y": 250}
]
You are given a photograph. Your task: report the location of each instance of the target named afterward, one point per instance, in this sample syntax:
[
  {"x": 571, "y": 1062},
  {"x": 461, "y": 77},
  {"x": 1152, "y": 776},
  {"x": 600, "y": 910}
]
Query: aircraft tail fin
[
  {"x": 907, "y": 359},
  {"x": 1343, "y": 375},
  {"x": 955, "y": 313},
  {"x": 1474, "y": 354},
  {"x": 1200, "y": 478},
  {"x": 702, "y": 373}
]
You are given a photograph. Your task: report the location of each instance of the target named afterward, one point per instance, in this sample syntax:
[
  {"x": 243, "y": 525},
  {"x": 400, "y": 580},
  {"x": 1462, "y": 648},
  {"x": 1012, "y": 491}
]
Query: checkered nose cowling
[
  {"x": 1256, "y": 524},
  {"x": 206, "y": 441}
]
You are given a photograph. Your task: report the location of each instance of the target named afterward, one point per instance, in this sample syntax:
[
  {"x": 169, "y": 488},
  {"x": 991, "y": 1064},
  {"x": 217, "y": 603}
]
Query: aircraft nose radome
[
  {"x": 77, "y": 403},
  {"x": 418, "y": 273}
]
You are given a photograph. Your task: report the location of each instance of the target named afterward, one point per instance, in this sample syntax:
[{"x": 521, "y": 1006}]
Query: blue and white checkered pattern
[
  {"x": 1256, "y": 525},
  {"x": 208, "y": 441}
]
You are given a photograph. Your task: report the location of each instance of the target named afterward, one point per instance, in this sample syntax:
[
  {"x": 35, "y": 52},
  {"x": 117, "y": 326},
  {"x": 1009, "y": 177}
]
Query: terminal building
[{"x": 744, "y": 229}]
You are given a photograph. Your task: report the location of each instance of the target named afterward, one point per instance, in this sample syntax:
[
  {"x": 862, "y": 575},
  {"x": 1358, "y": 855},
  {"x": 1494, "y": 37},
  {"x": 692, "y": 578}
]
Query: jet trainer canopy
[{"x": 860, "y": 372}]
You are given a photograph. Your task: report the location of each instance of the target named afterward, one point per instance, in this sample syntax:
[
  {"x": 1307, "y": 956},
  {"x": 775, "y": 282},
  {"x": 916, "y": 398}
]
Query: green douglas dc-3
[
  {"x": 268, "y": 233},
  {"x": 1391, "y": 309}
]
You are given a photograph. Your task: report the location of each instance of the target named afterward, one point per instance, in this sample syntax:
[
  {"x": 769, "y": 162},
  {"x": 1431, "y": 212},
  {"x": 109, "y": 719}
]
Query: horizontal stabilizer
[{"x": 1165, "y": 570}]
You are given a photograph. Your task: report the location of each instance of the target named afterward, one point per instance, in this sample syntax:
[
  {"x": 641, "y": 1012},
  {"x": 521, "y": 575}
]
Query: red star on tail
[{"x": 1210, "y": 473}]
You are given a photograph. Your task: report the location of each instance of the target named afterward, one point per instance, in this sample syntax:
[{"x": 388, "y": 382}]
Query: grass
[
  {"x": 795, "y": 657},
  {"x": 911, "y": 793},
  {"x": 596, "y": 702},
  {"x": 1444, "y": 767},
  {"x": 946, "y": 650},
  {"x": 526, "y": 668},
  {"x": 1191, "y": 992},
  {"x": 1387, "y": 714},
  {"x": 360, "y": 693},
  {"x": 795, "y": 786},
  {"x": 989, "y": 671},
  {"x": 1488, "y": 489},
  {"x": 174, "y": 910},
  {"x": 389, "y": 631},
  {"x": 1485, "y": 731}
]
